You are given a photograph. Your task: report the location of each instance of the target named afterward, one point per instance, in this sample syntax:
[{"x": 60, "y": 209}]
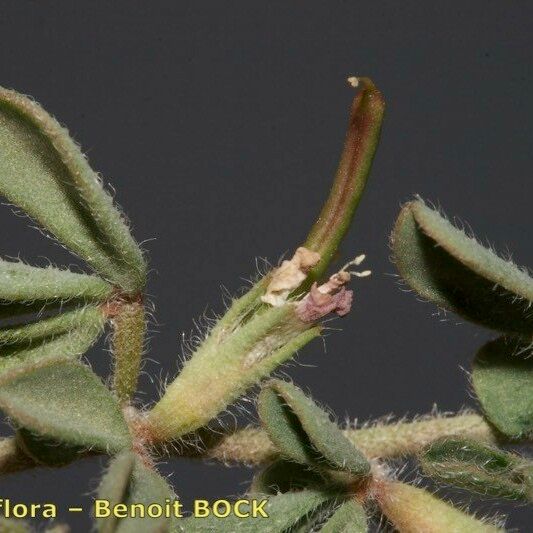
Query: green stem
[
  {"x": 252, "y": 445},
  {"x": 414, "y": 509},
  {"x": 225, "y": 367},
  {"x": 129, "y": 327}
]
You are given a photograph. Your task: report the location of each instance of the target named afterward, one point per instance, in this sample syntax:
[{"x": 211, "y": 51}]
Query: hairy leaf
[
  {"x": 65, "y": 401},
  {"x": 314, "y": 521},
  {"x": 286, "y": 476},
  {"x": 68, "y": 336},
  {"x": 43, "y": 172},
  {"x": 129, "y": 482},
  {"x": 350, "y": 517},
  {"x": 414, "y": 509},
  {"x": 284, "y": 511},
  {"x": 146, "y": 487},
  {"x": 26, "y": 284},
  {"x": 476, "y": 467},
  {"x": 304, "y": 433},
  {"x": 89, "y": 317},
  {"x": 45, "y": 451},
  {"x": 502, "y": 376},
  {"x": 445, "y": 266},
  {"x": 12, "y": 457},
  {"x": 114, "y": 487}
]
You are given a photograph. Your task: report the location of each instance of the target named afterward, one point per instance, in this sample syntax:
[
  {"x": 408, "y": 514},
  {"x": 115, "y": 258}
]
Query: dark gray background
[{"x": 220, "y": 124}]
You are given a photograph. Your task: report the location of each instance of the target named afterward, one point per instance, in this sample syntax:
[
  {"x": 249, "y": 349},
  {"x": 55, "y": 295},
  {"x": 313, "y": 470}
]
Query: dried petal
[
  {"x": 289, "y": 276},
  {"x": 318, "y": 304}
]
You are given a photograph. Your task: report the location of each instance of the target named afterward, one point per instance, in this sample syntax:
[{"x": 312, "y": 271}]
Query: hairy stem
[
  {"x": 129, "y": 327},
  {"x": 405, "y": 438},
  {"x": 412, "y": 509},
  {"x": 223, "y": 369},
  {"x": 252, "y": 445}
]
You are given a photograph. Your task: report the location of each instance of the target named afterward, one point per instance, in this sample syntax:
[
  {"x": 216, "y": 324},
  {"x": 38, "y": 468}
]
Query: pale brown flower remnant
[{"x": 289, "y": 275}]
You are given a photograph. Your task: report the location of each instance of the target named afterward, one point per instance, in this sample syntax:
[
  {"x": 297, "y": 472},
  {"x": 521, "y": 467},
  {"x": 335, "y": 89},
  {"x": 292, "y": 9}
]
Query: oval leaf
[
  {"x": 475, "y": 467},
  {"x": 304, "y": 433},
  {"x": 129, "y": 482},
  {"x": 502, "y": 376},
  {"x": 66, "y": 336},
  {"x": 284, "y": 512},
  {"x": 350, "y": 517},
  {"x": 114, "y": 487},
  {"x": 43, "y": 172},
  {"x": 46, "y": 451},
  {"x": 67, "y": 402},
  {"x": 445, "y": 266},
  {"x": 12, "y": 457},
  {"x": 286, "y": 476}
]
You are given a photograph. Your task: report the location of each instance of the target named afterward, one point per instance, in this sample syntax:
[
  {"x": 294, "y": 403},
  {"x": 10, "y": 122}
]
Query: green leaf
[
  {"x": 286, "y": 476},
  {"x": 12, "y": 456},
  {"x": 67, "y": 336},
  {"x": 314, "y": 521},
  {"x": 89, "y": 317},
  {"x": 114, "y": 487},
  {"x": 43, "y": 172},
  {"x": 284, "y": 512},
  {"x": 414, "y": 509},
  {"x": 502, "y": 376},
  {"x": 452, "y": 270},
  {"x": 26, "y": 290},
  {"x": 476, "y": 467},
  {"x": 146, "y": 487},
  {"x": 129, "y": 482},
  {"x": 350, "y": 517},
  {"x": 26, "y": 284},
  {"x": 45, "y": 451},
  {"x": 65, "y": 401},
  {"x": 361, "y": 142},
  {"x": 304, "y": 433}
]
